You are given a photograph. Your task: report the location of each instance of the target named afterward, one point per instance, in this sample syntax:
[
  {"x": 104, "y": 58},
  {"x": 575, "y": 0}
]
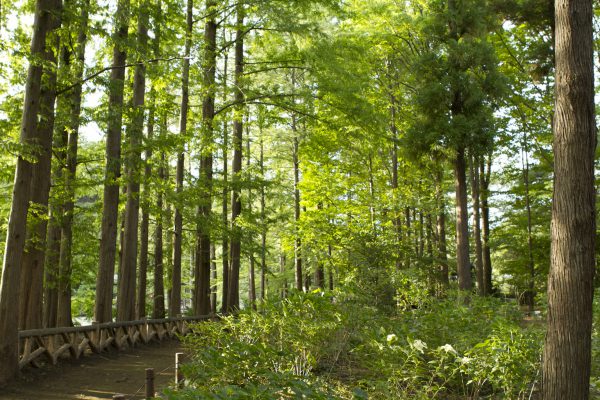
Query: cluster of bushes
[{"x": 325, "y": 346}]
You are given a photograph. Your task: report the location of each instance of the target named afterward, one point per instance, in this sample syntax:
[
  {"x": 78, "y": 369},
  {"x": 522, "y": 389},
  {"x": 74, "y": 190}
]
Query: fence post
[
  {"x": 178, "y": 374},
  {"x": 149, "y": 383}
]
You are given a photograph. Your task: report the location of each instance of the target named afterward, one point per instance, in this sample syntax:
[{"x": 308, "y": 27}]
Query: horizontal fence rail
[{"x": 54, "y": 343}]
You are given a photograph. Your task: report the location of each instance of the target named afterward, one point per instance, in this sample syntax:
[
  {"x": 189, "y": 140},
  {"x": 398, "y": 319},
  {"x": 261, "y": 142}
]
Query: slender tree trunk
[
  {"x": 225, "y": 198},
  {"x": 202, "y": 283},
  {"x": 298, "y": 241},
  {"x": 329, "y": 251},
  {"x": 282, "y": 268},
  {"x": 567, "y": 350},
  {"x": 32, "y": 267},
  {"x": 69, "y": 176},
  {"x": 530, "y": 294},
  {"x": 175, "y": 303},
  {"x": 485, "y": 174},
  {"x": 213, "y": 276},
  {"x": 408, "y": 235},
  {"x": 463, "y": 264},
  {"x": 16, "y": 232},
  {"x": 110, "y": 209},
  {"x": 251, "y": 263},
  {"x": 233, "y": 299},
  {"x": 145, "y": 225},
  {"x": 127, "y": 279},
  {"x": 477, "y": 225},
  {"x": 397, "y": 219},
  {"x": 263, "y": 222},
  {"x": 441, "y": 231},
  {"x": 146, "y": 191}
]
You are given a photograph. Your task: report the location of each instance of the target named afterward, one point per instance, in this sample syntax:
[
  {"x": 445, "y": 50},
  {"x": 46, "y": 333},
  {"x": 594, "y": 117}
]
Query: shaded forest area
[{"x": 385, "y": 199}]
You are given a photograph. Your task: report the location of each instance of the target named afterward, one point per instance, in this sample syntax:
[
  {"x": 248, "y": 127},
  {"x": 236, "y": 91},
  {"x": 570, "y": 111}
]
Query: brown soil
[{"x": 98, "y": 376}]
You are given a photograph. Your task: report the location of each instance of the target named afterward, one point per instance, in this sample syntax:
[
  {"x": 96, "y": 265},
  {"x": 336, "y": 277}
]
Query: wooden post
[
  {"x": 149, "y": 383},
  {"x": 178, "y": 374}
]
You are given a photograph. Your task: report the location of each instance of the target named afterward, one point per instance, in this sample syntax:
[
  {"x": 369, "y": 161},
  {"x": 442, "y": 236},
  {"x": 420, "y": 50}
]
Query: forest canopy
[{"x": 169, "y": 157}]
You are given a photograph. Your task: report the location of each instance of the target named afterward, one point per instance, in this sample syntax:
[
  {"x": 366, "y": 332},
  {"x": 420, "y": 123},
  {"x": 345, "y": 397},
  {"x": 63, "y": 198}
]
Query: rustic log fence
[{"x": 53, "y": 344}]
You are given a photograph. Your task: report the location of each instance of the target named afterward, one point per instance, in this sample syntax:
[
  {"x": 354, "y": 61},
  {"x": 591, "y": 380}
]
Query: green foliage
[
  {"x": 331, "y": 347},
  {"x": 270, "y": 355}
]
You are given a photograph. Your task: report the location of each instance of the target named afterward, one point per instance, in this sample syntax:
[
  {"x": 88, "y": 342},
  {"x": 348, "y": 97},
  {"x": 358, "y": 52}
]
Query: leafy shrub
[{"x": 266, "y": 355}]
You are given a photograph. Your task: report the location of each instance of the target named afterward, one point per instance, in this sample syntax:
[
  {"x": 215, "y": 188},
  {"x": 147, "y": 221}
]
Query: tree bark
[
  {"x": 32, "y": 267},
  {"x": 175, "y": 303},
  {"x": 127, "y": 277},
  {"x": 110, "y": 209},
  {"x": 202, "y": 283},
  {"x": 72, "y": 127},
  {"x": 463, "y": 264},
  {"x": 485, "y": 175},
  {"x": 146, "y": 190},
  {"x": 251, "y": 260},
  {"x": 477, "y": 225},
  {"x": 298, "y": 240},
  {"x": 567, "y": 350},
  {"x": 263, "y": 222},
  {"x": 17, "y": 223},
  {"x": 442, "y": 249},
  {"x": 233, "y": 295},
  {"x": 225, "y": 198}
]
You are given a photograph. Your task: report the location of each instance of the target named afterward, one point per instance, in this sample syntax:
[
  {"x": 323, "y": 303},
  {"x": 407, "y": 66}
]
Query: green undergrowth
[{"x": 327, "y": 346}]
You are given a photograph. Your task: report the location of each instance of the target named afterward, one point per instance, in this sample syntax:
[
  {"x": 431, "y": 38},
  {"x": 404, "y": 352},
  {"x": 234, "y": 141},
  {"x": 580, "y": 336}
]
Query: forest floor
[{"x": 98, "y": 376}]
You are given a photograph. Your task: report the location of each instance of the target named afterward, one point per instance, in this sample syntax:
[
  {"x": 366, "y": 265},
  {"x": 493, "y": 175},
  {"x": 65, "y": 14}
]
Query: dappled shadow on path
[{"x": 98, "y": 376}]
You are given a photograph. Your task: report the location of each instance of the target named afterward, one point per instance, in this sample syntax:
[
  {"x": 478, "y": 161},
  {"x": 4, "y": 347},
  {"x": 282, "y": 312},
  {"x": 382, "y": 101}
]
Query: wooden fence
[{"x": 55, "y": 343}]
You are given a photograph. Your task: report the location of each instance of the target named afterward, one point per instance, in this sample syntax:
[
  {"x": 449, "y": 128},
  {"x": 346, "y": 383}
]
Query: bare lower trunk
[
  {"x": 110, "y": 209},
  {"x": 463, "y": 265},
  {"x": 127, "y": 279},
  {"x": 202, "y": 283},
  {"x": 477, "y": 225},
  {"x": 16, "y": 232},
  {"x": 32, "y": 273},
  {"x": 175, "y": 303},
  {"x": 233, "y": 298},
  {"x": 567, "y": 350},
  {"x": 225, "y": 198},
  {"x": 485, "y": 172}
]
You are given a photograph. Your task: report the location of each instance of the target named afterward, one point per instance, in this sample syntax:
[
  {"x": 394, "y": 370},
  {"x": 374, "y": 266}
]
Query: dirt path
[{"x": 98, "y": 376}]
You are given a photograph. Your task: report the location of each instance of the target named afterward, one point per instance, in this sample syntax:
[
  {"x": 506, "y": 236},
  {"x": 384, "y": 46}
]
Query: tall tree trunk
[
  {"x": 127, "y": 277},
  {"x": 17, "y": 223},
  {"x": 477, "y": 225},
  {"x": 567, "y": 350},
  {"x": 110, "y": 209},
  {"x": 202, "y": 282},
  {"x": 213, "y": 276},
  {"x": 282, "y": 268},
  {"x": 233, "y": 293},
  {"x": 329, "y": 251},
  {"x": 53, "y": 234},
  {"x": 32, "y": 266},
  {"x": 146, "y": 191},
  {"x": 298, "y": 240},
  {"x": 158, "y": 245},
  {"x": 530, "y": 294},
  {"x": 69, "y": 175},
  {"x": 225, "y": 198},
  {"x": 441, "y": 230},
  {"x": 485, "y": 174},
  {"x": 408, "y": 234},
  {"x": 397, "y": 218},
  {"x": 263, "y": 222},
  {"x": 145, "y": 225},
  {"x": 463, "y": 264},
  {"x": 251, "y": 263},
  {"x": 175, "y": 303}
]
